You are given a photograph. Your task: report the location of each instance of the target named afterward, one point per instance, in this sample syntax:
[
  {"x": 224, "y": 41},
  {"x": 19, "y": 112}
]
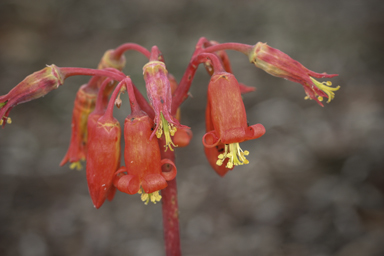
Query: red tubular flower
[
  {"x": 32, "y": 87},
  {"x": 159, "y": 94},
  {"x": 143, "y": 160},
  {"x": 84, "y": 105},
  {"x": 212, "y": 153},
  {"x": 103, "y": 153},
  {"x": 279, "y": 64},
  {"x": 227, "y": 118}
]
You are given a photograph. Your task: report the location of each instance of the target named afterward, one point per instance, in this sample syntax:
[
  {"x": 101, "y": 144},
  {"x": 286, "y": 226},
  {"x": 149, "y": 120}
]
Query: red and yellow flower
[
  {"x": 277, "y": 63},
  {"x": 226, "y": 124}
]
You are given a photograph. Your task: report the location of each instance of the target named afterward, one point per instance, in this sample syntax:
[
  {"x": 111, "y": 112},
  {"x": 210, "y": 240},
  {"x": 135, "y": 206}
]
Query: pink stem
[
  {"x": 115, "y": 75},
  {"x": 135, "y": 106},
  {"x": 144, "y": 105},
  {"x": 119, "y": 51},
  {"x": 243, "y": 48},
  {"x": 155, "y": 54},
  {"x": 68, "y": 72},
  {"x": 100, "y": 95},
  {"x": 111, "y": 104},
  {"x": 170, "y": 210},
  {"x": 181, "y": 92}
]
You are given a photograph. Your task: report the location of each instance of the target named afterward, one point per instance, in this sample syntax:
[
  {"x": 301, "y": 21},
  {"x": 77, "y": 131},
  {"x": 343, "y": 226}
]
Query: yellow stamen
[
  {"x": 325, "y": 87},
  {"x": 235, "y": 155},
  {"x": 153, "y": 197},
  {"x": 76, "y": 165},
  {"x": 169, "y": 130}
]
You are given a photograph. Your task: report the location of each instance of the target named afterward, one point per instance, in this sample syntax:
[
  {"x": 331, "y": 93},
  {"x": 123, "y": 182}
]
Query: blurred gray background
[{"x": 315, "y": 182}]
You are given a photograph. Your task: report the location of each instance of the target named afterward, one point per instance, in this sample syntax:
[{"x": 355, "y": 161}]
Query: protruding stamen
[
  {"x": 235, "y": 155},
  {"x": 76, "y": 165},
  {"x": 325, "y": 87},
  {"x": 153, "y": 197},
  {"x": 169, "y": 130}
]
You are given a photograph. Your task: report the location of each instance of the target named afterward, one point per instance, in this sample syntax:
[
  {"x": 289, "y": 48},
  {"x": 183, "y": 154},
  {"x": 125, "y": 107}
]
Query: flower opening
[
  {"x": 169, "y": 130},
  {"x": 235, "y": 155},
  {"x": 326, "y": 88},
  {"x": 154, "y": 197}
]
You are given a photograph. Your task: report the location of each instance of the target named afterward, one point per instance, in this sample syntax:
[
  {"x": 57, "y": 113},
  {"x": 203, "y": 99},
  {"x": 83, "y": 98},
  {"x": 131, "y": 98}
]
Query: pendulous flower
[
  {"x": 277, "y": 63},
  {"x": 103, "y": 152},
  {"x": 226, "y": 123},
  {"x": 83, "y": 106},
  {"x": 159, "y": 93},
  {"x": 143, "y": 160}
]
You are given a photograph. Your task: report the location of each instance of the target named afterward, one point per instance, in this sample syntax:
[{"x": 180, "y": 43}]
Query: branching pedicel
[{"x": 96, "y": 134}]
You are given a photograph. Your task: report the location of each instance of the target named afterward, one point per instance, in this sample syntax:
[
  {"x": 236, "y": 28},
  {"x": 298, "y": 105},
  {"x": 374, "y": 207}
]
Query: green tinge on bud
[
  {"x": 262, "y": 56},
  {"x": 32, "y": 87},
  {"x": 109, "y": 61},
  {"x": 277, "y": 63}
]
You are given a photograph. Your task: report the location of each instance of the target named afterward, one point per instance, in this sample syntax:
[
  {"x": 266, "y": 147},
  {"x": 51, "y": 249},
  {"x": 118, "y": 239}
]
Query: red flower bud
[
  {"x": 103, "y": 153},
  {"x": 279, "y": 64},
  {"x": 32, "y": 87},
  {"x": 227, "y": 122},
  {"x": 143, "y": 161}
]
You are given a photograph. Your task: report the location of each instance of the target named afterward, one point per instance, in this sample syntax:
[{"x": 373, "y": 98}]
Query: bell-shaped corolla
[
  {"x": 277, "y": 63},
  {"x": 32, "y": 87},
  {"x": 103, "y": 153},
  {"x": 143, "y": 173},
  {"x": 227, "y": 123}
]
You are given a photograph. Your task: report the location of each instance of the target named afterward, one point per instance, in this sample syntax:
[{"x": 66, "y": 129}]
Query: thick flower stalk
[
  {"x": 103, "y": 154},
  {"x": 227, "y": 118},
  {"x": 277, "y": 63},
  {"x": 32, "y": 87}
]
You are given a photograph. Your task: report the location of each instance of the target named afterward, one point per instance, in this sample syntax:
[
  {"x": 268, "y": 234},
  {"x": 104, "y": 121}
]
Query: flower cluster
[{"x": 152, "y": 131}]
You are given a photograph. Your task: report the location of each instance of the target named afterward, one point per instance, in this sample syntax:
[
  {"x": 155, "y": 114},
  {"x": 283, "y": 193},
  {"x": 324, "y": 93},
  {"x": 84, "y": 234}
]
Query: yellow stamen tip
[
  {"x": 153, "y": 197},
  {"x": 229, "y": 164},
  {"x": 76, "y": 165},
  {"x": 235, "y": 155},
  {"x": 325, "y": 87},
  {"x": 219, "y": 162},
  {"x": 320, "y": 98},
  {"x": 169, "y": 130}
]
